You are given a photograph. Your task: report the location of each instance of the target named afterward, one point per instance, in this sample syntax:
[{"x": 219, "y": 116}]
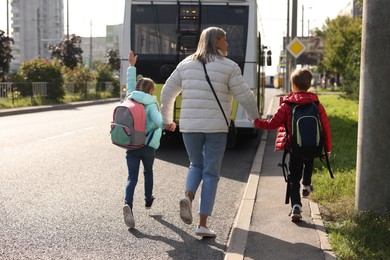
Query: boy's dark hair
[{"x": 301, "y": 78}]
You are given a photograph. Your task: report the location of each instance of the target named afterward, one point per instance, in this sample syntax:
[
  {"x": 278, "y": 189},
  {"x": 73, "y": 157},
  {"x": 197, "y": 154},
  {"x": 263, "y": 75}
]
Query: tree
[
  {"x": 68, "y": 52},
  {"x": 113, "y": 60},
  {"x": 342, "y": 50},
  {"x": 5, "y": 54}
]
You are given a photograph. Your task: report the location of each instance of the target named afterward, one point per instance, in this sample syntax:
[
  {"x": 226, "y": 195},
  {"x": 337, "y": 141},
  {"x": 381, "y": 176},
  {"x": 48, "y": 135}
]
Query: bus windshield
[{"x": 166, "y": 34}]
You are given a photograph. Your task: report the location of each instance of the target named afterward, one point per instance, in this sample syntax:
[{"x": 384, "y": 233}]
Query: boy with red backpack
[{"x": 303, "y": 132}]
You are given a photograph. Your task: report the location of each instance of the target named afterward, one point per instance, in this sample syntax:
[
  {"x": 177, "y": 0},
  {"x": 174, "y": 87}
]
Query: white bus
[{"x": 164, "y": 32}]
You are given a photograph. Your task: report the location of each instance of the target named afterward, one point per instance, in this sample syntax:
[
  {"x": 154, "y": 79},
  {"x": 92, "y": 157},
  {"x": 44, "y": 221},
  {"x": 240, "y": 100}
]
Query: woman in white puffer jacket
[{"x": 202, "y": 123}]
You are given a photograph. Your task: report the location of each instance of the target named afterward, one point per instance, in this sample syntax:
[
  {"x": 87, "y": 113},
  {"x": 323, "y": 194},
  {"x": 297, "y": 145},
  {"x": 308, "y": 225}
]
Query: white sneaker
[
  {"x": 204, "y": 232},
  {"x": 186, "y": 210},
  {"x": 128, "y": 216}
]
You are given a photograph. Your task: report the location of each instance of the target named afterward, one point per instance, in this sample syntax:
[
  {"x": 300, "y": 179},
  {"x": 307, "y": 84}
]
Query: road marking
[{"x": 68, "y": 133}]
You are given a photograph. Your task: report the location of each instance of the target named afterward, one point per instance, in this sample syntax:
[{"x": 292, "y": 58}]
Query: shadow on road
[
  {"x": 262, "y": 246},
  {"x": 183, "y": 249}
]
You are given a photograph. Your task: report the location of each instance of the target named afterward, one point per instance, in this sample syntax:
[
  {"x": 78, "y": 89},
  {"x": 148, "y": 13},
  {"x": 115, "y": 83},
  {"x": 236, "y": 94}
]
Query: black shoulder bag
[{"x": 232, "y": 133}]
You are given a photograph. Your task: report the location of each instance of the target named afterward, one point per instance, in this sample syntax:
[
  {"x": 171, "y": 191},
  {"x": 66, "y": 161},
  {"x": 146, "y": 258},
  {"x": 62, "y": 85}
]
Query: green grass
[{"x": 353, "y": 235}]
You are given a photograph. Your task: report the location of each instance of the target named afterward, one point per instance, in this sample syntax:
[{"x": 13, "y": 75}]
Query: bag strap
[
  {"x": 327, "y": 164},
  {"x": 151, "y": 136},
  {"x": 215, "y": 95}
]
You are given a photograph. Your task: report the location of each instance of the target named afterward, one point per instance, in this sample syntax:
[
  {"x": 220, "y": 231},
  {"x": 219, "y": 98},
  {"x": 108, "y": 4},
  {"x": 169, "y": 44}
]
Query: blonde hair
[
  {"x": 207, "y": 46},
  {"x": 145, "y": 85}
]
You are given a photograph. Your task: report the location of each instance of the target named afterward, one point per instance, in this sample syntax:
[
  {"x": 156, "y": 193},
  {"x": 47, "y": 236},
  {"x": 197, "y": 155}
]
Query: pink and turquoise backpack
[{"x": 128, "y": 128}]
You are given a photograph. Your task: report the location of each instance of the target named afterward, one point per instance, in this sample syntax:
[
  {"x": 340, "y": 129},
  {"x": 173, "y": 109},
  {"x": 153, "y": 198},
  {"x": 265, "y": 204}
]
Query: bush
[
  {"x": 39, "y": 70},
  {"x": 105, "y": 74},
  {"x": 80, "y": 76}
]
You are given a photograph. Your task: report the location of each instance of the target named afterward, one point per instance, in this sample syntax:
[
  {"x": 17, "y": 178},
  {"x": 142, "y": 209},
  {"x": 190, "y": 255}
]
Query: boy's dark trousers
[{"x": 297, "y": 167}]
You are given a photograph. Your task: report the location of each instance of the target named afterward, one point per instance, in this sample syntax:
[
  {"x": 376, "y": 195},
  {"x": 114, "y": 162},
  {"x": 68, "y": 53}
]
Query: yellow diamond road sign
[{"x": 296, "y": 47}]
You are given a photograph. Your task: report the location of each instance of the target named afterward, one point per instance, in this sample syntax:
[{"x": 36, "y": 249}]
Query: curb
[
  {"x": 239, "y": 233},
  {"x": 236, "y": 244},
  {"x": 25, "y": 110},
  {"x": 321, "y": 231}
]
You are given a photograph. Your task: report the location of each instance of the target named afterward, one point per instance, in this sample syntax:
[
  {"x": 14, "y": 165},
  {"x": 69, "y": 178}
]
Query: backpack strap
[
  {"x": 151, "y": 136},
  {"x": 286, "y": 174},
  {"x": 327, "y": 165},
  {"x": 154, "y": 130}
]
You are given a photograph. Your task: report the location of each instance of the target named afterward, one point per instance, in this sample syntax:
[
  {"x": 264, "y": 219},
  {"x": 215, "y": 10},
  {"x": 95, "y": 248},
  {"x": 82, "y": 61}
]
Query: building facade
[{"x": 35, "y": 24}]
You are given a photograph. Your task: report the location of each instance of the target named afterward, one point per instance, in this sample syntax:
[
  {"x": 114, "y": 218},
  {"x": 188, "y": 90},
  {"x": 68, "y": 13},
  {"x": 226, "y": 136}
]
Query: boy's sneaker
[
  {"x": 128, "y": 216},
  {"x": 148, "y": 204},
  {"x": 186, "y": 210},
  {"x": 306, "y": 190},
  {"x": 296, "y": 213}
]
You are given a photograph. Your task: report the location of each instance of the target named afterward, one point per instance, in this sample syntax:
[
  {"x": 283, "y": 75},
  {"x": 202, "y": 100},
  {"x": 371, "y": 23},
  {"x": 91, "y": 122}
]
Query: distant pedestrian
[
  {"x": 282, "y": 120},
  {"x": 202, "y": 122},
  {"x": 142, "y": 92}
]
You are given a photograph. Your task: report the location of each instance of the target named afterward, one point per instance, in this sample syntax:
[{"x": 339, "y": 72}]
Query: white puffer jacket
[{"x": 199, "y": 109}]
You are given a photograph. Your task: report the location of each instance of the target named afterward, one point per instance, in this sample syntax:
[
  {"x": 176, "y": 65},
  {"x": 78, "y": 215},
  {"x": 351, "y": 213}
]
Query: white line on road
[{"x": 68, "y": 133}]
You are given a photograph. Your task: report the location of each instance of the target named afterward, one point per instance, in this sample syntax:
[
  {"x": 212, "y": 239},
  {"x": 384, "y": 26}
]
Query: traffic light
[{"x": 262, "y": 59}]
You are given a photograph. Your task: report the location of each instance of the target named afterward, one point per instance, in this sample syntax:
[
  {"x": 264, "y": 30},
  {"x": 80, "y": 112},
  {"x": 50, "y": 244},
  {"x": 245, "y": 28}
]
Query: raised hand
[{"x": 132, "y": 58}]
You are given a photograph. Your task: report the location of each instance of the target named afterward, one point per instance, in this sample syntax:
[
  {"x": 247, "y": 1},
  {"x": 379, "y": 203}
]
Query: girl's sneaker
[
  {"x": 128, "y": 216},
  {"x": 148, "y": 204}
]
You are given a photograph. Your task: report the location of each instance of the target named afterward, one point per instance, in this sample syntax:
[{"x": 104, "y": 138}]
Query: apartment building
[{"x": 35, "y": 24}]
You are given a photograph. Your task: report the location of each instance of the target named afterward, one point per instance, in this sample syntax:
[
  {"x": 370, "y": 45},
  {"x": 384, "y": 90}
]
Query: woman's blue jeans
[
  {"x": 133, "y": 158},
  {"x": 205, "y": 152}
]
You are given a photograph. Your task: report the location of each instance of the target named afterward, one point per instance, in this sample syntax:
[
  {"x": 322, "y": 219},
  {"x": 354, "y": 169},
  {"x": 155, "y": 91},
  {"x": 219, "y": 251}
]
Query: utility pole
[
  {"x": 372, "y": 166},
  {"x": 90, "y": 49},
  {"x": 39, "y": 32},
  {"x": 7, "y": 20},
  {"x": 303, "y": 18},
  {"x": 294, "y": 34},
  {"x": 288, "y": 55},
  {"x": 67, "y": 19}
]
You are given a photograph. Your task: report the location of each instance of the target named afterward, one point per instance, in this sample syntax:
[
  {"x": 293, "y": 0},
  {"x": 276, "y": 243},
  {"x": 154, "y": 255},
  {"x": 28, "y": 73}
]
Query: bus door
[{"x": 188, "y": 33}]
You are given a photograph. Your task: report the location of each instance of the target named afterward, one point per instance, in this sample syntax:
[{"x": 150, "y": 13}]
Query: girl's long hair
[
  {"x": 144, "y": 85},
  {"x": 207, "y": 46}
]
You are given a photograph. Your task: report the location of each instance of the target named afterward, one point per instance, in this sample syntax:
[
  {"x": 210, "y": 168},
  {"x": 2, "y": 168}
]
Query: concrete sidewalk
[{"x": 263, "y": 229}]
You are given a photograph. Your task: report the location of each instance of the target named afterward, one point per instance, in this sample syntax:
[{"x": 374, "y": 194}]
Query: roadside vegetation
[
  {"x": 352, "y": 235},
  {"x": 63, "y": 78}
]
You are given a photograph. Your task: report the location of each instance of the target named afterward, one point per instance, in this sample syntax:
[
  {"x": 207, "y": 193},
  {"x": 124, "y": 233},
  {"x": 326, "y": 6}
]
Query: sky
[{"x": 90, "y": 17}]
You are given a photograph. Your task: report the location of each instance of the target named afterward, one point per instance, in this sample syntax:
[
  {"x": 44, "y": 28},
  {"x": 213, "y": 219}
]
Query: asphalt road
[{"x": 62, "y": 185}]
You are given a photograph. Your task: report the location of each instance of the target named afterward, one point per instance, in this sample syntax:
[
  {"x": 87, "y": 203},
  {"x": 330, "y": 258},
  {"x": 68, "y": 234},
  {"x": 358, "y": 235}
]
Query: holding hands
[
  {"x": 170, "y": 127},
  {"x": 257, "y": 123}
]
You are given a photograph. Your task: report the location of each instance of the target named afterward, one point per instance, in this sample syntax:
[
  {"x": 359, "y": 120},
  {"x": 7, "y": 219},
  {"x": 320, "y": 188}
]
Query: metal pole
[
  {"x": 303, "y": 19},
  {"x": 7, "y": 20},
  {"x": 67, "y": 19},
  {"x": 287, "y": 74},
  {"x": 294, "y": 29},
  {"x": 39, "y": 33},
  {"x": 90, "y": 49}
]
